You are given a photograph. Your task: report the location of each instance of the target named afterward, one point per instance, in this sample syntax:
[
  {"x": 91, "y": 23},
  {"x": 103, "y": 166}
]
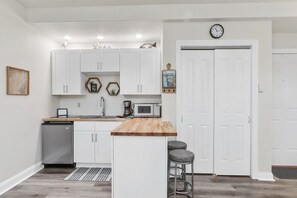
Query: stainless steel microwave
[{"x": 147, "y": 110}]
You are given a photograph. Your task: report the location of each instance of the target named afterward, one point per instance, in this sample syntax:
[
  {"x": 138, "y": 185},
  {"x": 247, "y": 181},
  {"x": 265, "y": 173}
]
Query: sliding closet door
[
  {"x": 197, "y": 106},
  {"x": 232, "y": 111}
]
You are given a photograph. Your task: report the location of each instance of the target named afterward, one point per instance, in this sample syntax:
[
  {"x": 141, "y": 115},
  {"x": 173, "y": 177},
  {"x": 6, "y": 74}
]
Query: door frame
[{"x": 227, "y": 44}]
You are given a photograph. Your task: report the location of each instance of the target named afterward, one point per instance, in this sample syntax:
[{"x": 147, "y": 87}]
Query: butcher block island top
[{"x": 145, "y": 127}]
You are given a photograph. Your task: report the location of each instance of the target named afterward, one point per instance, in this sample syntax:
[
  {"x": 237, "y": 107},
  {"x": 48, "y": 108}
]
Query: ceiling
[
  {"x": 86, "y": 3},
  {"x": 87, "y": 32},
  {"x": 125, "y": 31}
]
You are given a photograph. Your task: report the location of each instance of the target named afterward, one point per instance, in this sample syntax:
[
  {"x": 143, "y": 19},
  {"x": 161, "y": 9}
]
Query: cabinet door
[
  {"x": 59, "y": 72},
  {"x": 103, "y": 148},
  {"x": 74, "y": 85},
  {"x": 89, "y": 61},
  {"x": 84, "y": 151},
  {"x": 129, "y": 70},
  {"x": 109, "y": 61},
  {"x": 149, "y": 72}
]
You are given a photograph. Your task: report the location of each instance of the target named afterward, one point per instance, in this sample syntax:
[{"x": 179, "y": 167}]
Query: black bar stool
[{"x": 183, "y": 158}]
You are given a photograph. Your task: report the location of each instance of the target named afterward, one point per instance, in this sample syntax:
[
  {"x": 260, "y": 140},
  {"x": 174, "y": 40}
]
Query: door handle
[{"x": 249, "y": 119}]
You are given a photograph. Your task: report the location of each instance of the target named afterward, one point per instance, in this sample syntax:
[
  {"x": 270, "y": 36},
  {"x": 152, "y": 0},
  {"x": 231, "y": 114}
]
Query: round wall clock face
[{"x": 216, "y": 31}]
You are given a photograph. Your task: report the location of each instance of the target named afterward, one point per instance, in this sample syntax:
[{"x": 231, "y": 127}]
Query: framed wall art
[
  {"x": 169, "y": 80},
  {"x": 18, "y": 81}
]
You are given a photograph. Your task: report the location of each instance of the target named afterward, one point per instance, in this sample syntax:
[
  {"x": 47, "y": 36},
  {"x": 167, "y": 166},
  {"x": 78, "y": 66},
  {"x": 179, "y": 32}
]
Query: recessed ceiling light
[
  {"x": 67, "y": 38},
  {"x": 100, "y": 37},
  {"x": 138, "y": 36}
]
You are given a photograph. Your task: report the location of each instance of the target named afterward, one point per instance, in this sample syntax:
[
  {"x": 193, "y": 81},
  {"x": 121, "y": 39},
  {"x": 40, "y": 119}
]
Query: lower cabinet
[
  {"x": 103, "y": 148},
  {"x": 92, "y": 142},
  {"x": 84, "y": 147}
]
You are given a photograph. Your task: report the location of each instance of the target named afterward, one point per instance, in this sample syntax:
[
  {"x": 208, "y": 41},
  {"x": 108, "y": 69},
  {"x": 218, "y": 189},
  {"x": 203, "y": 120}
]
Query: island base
[{"x": 139, "y": 167}]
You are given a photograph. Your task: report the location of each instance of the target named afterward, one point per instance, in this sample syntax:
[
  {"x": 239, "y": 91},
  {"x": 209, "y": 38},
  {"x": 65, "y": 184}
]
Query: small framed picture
[
  {"x": 93, "y": 87},
  {"x": 169, "y": 80},
  {"x": 62, "y": 113}
]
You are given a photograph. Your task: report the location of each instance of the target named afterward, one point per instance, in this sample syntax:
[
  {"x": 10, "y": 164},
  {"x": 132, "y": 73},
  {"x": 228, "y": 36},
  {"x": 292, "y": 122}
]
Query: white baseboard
[
  {"x": 265, "y": 176},
  {"x": 18, "y": 178}
]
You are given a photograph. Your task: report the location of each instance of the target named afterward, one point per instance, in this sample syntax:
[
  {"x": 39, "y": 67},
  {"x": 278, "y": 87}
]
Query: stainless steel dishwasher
[{"x": 57, "y": 143}]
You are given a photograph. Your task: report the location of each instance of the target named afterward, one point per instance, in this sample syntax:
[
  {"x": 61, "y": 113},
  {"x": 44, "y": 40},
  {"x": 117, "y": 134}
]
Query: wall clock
[{"x": 216, "y": 31}]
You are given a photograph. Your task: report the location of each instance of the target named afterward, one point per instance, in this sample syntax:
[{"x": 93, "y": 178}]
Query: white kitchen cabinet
[
  {"x": 66, "y": 76},
  {"x": 92, "y": 143},
  {"x": 140, "y": 72},
  {"x": 84, "y": 147},
  {"x": 103, "y": 148},
  {"x": 129, "y": 71},
  {"x": 103, "y": 60}
]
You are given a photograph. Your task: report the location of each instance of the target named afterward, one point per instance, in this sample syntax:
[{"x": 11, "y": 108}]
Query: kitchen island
[{"x": 140, "y": 158}]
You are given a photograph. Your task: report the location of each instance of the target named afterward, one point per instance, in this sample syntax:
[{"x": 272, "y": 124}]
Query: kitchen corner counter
[{"x": 145, "y": 127}]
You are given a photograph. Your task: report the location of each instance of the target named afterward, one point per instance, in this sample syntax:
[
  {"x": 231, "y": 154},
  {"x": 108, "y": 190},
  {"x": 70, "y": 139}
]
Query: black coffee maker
[{"x": 127, "y": 108}]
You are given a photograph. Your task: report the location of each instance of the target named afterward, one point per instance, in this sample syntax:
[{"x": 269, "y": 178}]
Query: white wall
[
  {"x": 20, "y": 116},
  {"x": 237, "y": 30},
  {"x": 284, "y": 40},
  {"x": 90, "y": 102}
]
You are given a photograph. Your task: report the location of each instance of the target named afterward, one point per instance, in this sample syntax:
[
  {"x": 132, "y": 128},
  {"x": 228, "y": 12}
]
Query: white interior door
[
  {"x": 284, "y": 109},
  {"x": 197, "y": 106},
  {"x": 232, "y": 112}
]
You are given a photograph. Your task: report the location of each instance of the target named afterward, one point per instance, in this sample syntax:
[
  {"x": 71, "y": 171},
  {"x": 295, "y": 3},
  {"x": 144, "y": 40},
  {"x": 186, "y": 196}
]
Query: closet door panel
[
  {"x": 232, "y": 112},
  {"x": 197, "y": 106}
]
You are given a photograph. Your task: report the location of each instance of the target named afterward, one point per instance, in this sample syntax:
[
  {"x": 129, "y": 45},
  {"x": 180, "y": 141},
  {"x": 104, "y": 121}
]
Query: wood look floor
[{"x": 49, "y": 183}]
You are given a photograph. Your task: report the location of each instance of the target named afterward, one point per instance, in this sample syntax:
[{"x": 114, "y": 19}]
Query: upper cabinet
[
  {"x": 66, "y": 76},
  {"x": 140, "y": 72},
  {"x": 102, "y": 60}
]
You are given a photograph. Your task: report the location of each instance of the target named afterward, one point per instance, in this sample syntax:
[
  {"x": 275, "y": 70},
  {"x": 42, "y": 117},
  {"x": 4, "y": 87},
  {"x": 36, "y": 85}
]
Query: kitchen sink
[{"x": 97, "y": 116}]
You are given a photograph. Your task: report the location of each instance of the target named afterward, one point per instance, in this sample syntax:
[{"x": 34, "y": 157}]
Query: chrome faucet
[{"x": 102, "y": 104}]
